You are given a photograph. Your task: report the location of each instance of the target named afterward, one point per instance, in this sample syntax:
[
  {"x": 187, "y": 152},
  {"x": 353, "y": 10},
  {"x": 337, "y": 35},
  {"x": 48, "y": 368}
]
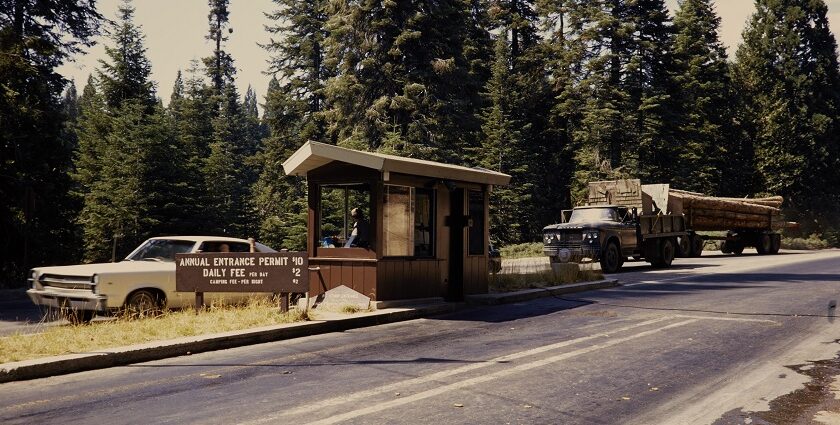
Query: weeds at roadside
[
  {"x": 132, "y": 329},
  {"x": 566, "y": 273}
]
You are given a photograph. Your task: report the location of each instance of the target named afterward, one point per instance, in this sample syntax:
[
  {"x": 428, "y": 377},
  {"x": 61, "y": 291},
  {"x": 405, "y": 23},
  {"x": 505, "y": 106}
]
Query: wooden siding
[
  {"x": 403, "y": 279},
  {"x": 357, "y": 275}
]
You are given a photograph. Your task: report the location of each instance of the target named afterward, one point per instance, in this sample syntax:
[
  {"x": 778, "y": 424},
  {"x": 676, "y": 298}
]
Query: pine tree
[
  {"x": 403, "y": 83},
  {"x": 190, "y": 120},
  {"x": 298, "y": 58},
  {"x": 36, "y": 38},
  {"x": 224, "y": 170},
  {"x": 787, "y": 69},
  {"x": 503, "y": 148},
  {"x": 294, "y": 114},
  {"x": 125, "y": 75},
  {"x": 219, "y": 65},
  {"x": 705, "y": 95}
]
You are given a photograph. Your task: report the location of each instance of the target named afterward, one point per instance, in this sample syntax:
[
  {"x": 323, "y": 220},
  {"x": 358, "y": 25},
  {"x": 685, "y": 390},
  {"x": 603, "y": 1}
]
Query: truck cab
[
  {"x": 611, "y": 233},
  {"x": 598, "y": 233}
]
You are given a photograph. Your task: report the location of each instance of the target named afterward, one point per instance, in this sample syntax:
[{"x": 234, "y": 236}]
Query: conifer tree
[
  {"x": 36, "y": 38},
  {"x": 125, "y": 74},
  {"x": 787, "y": 69},
  {"x": 403, "y": 83},
  {"x": 705, "y": 95},
  {"x": 503, "y": 149}
]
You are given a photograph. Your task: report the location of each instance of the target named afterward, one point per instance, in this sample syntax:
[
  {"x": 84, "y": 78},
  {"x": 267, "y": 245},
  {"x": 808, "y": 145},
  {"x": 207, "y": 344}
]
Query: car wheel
[
  {"x": 143, "y": 303},
  {"x": 611, "y": 258}
]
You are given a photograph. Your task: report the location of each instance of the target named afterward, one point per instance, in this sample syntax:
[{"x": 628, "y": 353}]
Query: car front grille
[{"x": 66, "y": 282}]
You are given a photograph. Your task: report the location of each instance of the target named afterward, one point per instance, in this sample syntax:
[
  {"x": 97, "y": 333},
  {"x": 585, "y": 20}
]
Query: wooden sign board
[{"x": 273, "y": 272}]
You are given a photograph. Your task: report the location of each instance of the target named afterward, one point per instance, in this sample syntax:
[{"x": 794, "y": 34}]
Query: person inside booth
[{"x": 360, "y": 236}]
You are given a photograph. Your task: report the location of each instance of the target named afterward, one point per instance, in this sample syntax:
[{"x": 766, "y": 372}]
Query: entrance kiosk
[{"x": 395, "y": 228}]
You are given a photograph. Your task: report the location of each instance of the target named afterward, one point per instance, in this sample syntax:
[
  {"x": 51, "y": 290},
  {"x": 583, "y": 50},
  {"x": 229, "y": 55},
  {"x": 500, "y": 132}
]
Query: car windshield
[
  {"x": 160, "y": 250},
  {"x": 593, "y": 214}
]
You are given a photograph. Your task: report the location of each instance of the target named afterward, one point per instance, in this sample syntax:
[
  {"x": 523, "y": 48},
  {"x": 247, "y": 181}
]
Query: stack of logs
[{"x": 710, "y": 213}]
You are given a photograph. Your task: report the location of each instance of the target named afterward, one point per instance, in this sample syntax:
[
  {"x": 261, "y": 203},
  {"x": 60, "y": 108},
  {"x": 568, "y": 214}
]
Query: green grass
[
  {"x": 568, "y": 273},
  {"x": 58, "y": 340},
  {"x": 522, "y": 250}
]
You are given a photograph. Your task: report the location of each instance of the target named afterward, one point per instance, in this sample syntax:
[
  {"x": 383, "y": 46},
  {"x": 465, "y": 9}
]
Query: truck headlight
[{"x": 589, "y": 235}]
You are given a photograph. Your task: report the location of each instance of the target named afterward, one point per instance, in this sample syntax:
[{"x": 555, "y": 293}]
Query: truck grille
[
  {"x": 66, "y": 282},
  {"x": 570, "y": 240}
]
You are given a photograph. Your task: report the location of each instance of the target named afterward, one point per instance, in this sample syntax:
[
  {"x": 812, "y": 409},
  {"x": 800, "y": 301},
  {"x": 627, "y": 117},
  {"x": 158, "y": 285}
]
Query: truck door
[{"x": 628, "y": 231}]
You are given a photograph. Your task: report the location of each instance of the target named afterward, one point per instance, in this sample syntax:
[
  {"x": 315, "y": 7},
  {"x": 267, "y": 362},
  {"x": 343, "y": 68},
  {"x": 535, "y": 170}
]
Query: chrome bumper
[
  {"x": 73, "y": 301},
  {"x": 572, "y": 254}
]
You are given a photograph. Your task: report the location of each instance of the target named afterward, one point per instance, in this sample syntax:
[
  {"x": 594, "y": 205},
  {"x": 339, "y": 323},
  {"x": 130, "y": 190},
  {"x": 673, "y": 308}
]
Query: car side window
[{"x": 222, "y": 246}]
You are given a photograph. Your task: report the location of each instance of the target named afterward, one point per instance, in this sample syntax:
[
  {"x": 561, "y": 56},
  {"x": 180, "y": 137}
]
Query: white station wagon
[{"x": 144, "y": 280}]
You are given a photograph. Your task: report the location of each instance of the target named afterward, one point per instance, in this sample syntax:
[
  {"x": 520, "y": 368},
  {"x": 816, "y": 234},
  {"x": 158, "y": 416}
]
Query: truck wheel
[
  {"x": 611, "y": 258},
  {"x": 764, "y": 245},
  {"x": 667, "y": 249},
  {"x": 725, "y": 247},
  {"x": 697, "y": 244},
  {"x": 777, "y": 244},
  {"x": 684, "y": 246},
  {"x": 142, "y": 303},
  {"x": 737, "y": 248}
]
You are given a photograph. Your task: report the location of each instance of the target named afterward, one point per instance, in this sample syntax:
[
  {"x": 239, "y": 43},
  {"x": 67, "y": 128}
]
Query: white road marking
[
  {"x": 497, "y": 375},
  {"x": 336, "y": 401},
  {"x": 732, "y": 319},
  {"x": 308, "y": 408}
]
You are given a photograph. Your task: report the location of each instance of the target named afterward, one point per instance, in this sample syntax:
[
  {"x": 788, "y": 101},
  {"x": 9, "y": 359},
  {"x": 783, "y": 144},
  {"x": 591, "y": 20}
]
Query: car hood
[
  {"x": 580, "y": 226},
  {"x": 102, "y": 268}
]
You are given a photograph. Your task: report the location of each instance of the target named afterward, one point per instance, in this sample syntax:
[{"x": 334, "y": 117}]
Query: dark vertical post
[{"x": 199, "y": 301}]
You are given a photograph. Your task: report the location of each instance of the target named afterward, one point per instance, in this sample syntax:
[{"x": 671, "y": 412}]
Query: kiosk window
[
  {"x": 339, "y": 228},
  {"x": 477, "y": 243},
  {"x": 408, "y": 224}
]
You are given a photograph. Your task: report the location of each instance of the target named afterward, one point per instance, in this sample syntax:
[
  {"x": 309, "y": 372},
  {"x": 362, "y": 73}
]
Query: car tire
[{"x": 143, "y": 303}]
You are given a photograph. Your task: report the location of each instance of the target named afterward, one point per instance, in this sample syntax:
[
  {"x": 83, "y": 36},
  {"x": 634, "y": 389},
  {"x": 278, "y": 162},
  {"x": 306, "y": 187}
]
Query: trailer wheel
[
  {"x": 764, "y": 245},
  {"x": 777, "y": 244},
  {"x": 697, "y": 244},
  {"x": 611, "y": 258}
]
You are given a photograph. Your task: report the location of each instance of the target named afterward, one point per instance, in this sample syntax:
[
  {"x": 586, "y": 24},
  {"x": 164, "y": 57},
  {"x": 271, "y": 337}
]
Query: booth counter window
[
  {"x": 408, "y": 222},
  {"x": 337, "y": 221}
]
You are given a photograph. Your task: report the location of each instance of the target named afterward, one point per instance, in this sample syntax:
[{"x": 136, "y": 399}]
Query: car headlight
[{"x": 33, "y": 277}]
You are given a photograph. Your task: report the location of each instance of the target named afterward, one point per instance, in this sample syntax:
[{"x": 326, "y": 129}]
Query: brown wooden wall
[
  {"x": 401, "y": 279},
  {"x": 358, "y": 275}
]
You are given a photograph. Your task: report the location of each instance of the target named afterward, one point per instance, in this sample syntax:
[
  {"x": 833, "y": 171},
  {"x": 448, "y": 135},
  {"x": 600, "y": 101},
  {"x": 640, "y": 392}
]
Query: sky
[{"x": 175, "y": 32}]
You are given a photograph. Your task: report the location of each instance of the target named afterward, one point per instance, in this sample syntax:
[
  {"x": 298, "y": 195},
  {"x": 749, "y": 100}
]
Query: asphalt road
[{"x": 713, "y": 340}]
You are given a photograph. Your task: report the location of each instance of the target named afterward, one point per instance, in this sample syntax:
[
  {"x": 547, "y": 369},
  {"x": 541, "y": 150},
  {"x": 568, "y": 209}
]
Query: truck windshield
[
  {"x": 593, "y": 214},
  {"x": 160, "y": 250}
]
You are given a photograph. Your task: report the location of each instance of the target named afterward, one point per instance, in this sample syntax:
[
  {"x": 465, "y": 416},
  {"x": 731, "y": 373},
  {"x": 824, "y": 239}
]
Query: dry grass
[
  {"x": 58, "y": 340},
  {"x": 522, "y": 250},
  {"x": 813, "y": 242},
  {"x": 566, "y": 273}
]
